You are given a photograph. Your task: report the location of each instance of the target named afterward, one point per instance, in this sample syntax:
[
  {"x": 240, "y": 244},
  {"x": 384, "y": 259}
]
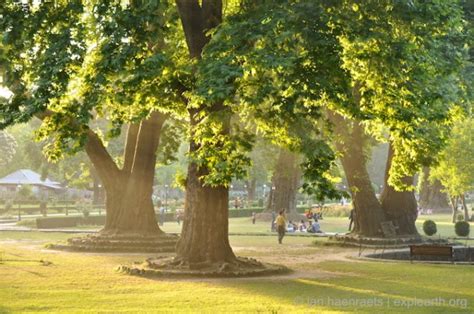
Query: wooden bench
[{"x": 432, "y": 250}]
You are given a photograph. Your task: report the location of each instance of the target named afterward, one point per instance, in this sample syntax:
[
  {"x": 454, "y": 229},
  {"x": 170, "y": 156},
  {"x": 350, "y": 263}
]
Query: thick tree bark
[
  {"x": 431, "y": 195},
  {"x": 130, "y": 196},
  {"x": 251, "y": 190},
  {"x": 350, "y": 142},
  {"x": 400, "y": 207},
  {"x": 285, "y": 183},
  {"x": 129, "y": 204},
  {"x": 204, "y": 237},
  {"x": 205, "y": 234}
]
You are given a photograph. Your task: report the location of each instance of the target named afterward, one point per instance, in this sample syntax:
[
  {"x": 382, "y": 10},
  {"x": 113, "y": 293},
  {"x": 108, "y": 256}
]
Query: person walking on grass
[{"x": 281, "y": 226}]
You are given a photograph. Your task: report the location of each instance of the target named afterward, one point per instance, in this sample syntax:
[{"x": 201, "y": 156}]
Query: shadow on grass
[
  {"x": 362, "y": 288},
  {"x": 350, "y": 294}
]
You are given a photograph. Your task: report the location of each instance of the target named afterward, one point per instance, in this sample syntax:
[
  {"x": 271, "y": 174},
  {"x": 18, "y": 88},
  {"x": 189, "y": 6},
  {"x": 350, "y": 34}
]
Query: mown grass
[
  {"x": 76, "y": 283},
  {"x": 328, "y": 224}
]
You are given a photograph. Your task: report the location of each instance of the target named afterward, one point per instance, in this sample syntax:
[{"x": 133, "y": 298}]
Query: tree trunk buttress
[
  {"x": 431, "y": 195},
  {"x": 400, "y": 207},
  {"x": 285, "y": 182},
  {"x": 204, "y": 237},
  {"x": 351, "y": 138},
  {"x": 129, "y": 202}
]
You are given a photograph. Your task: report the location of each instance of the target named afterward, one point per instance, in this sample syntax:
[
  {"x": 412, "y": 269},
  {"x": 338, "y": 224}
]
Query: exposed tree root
[
  {"x": 362, "y": 241},
  {"x": 127, "y": 243},
  {"x": 169, "y": 267}
]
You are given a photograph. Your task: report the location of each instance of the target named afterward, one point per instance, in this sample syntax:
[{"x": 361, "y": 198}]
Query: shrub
[
  {"x": 86, "y": 213},
  {"x": 462, "y": 228},
  {"x": 31, "y": 223},
  {"x": 459, "y": 217},
  {"x": 429, "y": 227},
  {"x": 337, "y": 211}
]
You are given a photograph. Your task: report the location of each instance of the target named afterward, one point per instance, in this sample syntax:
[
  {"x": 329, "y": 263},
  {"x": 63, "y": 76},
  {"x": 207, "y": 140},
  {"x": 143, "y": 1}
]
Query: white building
[{"x": 13, "y": 182}]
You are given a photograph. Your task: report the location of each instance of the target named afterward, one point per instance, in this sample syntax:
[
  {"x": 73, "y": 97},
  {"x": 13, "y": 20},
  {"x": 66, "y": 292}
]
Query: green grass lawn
[
  {"x": 325, "y": 280},
  {"x": 328, "y": 224}
]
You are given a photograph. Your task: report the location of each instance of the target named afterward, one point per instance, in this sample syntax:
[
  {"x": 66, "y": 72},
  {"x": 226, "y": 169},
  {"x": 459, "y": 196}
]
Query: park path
[
  {"x": 11, "y": 225},
  {"x": 8, "y": 225}
]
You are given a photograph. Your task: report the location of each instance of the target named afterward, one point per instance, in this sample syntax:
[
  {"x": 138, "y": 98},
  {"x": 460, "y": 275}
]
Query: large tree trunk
[
  {"x": 251, "y": 190},
  {"x": 350, "y": 143},
  {"x": 129, "y": 191},
  {"x": 204, "y": 237},
  {"x": 400, "y": 207},
  {"x": 129, "y": 211},
  {"x": 285, "y": 183},
  {"x": 431, "y": 195}
]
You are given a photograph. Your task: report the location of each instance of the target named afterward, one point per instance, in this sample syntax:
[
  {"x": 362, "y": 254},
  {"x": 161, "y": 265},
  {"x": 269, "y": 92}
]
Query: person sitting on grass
[
  {"x": 290, "y": 227},
  {"x": 302, "y": 226},
  {"x": 314, "y": 227}
]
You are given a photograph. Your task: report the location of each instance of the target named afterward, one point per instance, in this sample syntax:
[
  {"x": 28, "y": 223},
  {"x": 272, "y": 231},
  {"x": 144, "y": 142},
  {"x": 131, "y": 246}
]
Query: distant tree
[
  {"x": 8, "y": 147},
  {"x": 456, "y": 167},
  {"x": 431, "y": 191},
  {"x": 286, "y": 181}
]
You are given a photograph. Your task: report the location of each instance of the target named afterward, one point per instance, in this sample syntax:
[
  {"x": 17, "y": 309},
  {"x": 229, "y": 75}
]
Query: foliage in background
[
  {"x": 456, "y": 167},
  {"x": 8, "y": 146}
]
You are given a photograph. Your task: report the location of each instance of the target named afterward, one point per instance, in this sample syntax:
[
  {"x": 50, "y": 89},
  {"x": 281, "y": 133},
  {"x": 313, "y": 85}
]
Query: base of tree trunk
[
  {"x": 124, "y": 243},
  {"x": 348, "y": 240},
  {"x": 170, "y": 267}
]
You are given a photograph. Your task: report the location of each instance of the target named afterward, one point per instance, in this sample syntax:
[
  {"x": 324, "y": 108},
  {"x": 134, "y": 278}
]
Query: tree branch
[
  {"x": 103, "y": 163},
  {"x": 130, "y": 147}
]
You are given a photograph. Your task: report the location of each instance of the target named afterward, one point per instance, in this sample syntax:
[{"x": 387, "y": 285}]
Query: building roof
[{"x": 28, "y": 177}]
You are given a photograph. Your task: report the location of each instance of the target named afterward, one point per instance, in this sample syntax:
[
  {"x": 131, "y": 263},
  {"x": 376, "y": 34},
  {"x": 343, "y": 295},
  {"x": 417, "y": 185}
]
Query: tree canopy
[
  {"x": 394, "y": 64},
  {"x": 391, "y": 63}
]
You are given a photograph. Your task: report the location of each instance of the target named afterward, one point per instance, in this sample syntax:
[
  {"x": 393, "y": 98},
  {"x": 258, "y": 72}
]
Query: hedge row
[
  {"x": 69, "y": 221},
  {"x": 74, "y": 221}
]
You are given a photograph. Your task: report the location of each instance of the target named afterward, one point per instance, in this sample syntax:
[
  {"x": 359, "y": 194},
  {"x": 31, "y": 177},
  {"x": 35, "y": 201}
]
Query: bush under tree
[
  {"x": 429, "y": 227},
  {"x": 462, "y": 228}
]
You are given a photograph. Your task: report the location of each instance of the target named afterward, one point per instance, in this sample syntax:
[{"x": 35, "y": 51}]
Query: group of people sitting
[
  {"x": 281, "y": 225},
  {"x": 311, "y": 227}
]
